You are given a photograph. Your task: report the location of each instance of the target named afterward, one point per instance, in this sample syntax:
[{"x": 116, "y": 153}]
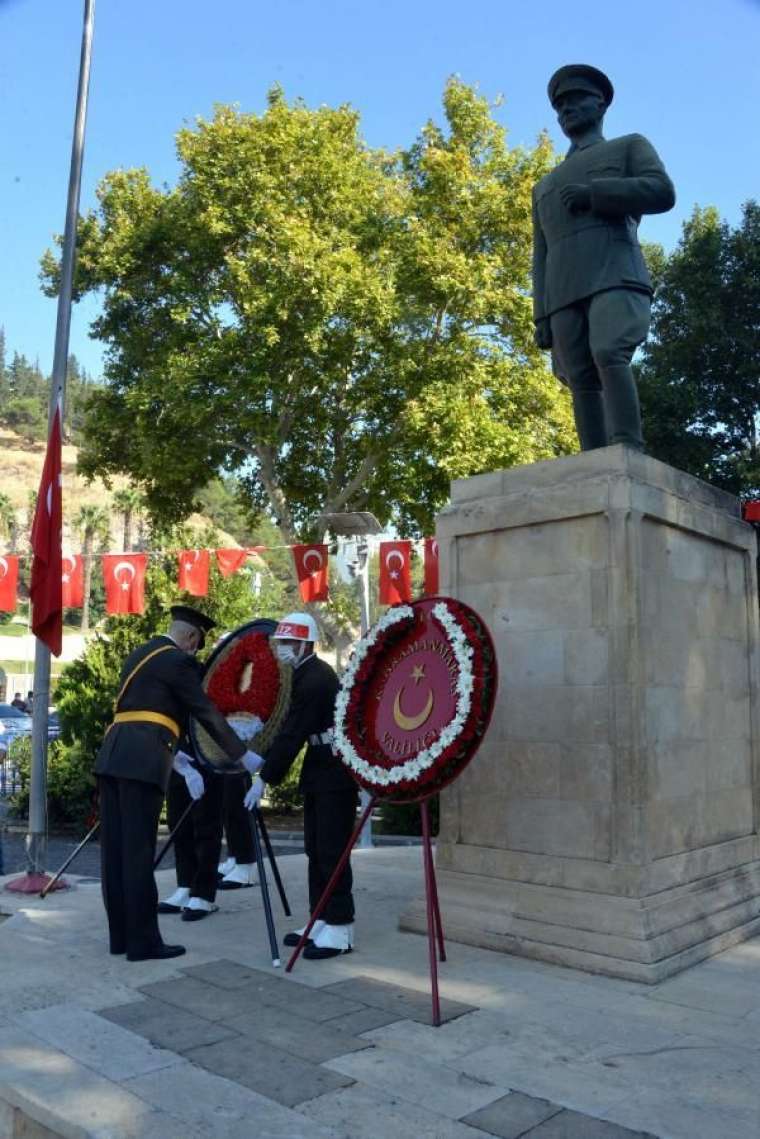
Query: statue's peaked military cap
[{"x": 580, "y": 77}]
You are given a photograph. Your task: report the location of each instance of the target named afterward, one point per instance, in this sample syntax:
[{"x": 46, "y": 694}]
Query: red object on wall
[{"x": 751, "y": 511}]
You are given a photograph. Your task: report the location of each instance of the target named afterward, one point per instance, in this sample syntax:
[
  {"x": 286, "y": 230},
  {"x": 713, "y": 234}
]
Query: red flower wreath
[{"x": 258, "y": 699}]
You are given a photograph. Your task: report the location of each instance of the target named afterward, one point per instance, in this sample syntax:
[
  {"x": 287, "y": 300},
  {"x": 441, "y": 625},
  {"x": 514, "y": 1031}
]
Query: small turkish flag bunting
[
  {"x": 431, "y": 567},
  {"x": 311, "y": 571},
  {"x": 72, "y": 581},
  {"x": 193, "y": 571},
  {"x": 230, "y": 561},
  {"x": 395, "y": 572},
  {"x": 8, "y": 582},
  {"x": 124, "y": 579}
]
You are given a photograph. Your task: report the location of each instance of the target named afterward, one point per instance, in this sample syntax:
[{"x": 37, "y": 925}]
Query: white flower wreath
[{"x": 413, "y": 768}]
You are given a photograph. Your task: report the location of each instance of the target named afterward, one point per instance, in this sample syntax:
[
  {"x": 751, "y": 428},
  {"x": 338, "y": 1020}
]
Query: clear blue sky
[{"x": 685, "y": 73}]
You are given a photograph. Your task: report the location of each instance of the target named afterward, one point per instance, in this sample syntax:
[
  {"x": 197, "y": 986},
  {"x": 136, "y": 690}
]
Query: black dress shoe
[
  {"x": 168, "y": 908},
  {"x": 314, "y": 952},
  {"x": 160, "y": 953},
  {"x": 293, "y": 939},
  {"x": 197, "y": 915}
]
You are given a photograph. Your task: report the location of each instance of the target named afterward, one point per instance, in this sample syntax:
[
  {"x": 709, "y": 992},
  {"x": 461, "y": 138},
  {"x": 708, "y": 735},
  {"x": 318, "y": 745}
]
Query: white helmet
[{"x": 296, "y": 627}]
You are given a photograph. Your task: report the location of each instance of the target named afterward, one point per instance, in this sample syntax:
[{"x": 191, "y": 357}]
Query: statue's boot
[
  {"x": 588, "y": 409},
  {"x": 621, "y": 406}
]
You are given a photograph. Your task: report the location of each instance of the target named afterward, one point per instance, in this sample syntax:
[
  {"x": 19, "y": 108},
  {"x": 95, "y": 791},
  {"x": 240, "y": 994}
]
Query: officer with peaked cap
[
  {"x": 160, "y": 689},
  {"x": 591, "y": 289}
]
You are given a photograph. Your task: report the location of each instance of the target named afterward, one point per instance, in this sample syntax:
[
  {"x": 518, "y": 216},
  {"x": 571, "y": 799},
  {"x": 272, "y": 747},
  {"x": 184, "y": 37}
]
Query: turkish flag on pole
[
  {"x": 395, "y": 572},
  {"x": 124, "y": 579},
  {"x": 72, "y": 581},
  {"x": 193, "y": 571},
  {"x": 8, "y": 582},
  {"x": 46, "y": 588},
  {"x": 230, "y": 561},
  {"x": 311, "y": 571},
  {"x": 430, "y": 587}
]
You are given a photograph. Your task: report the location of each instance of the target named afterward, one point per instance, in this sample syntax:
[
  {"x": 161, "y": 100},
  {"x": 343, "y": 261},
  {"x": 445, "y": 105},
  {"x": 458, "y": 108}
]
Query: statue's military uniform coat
[
  {"x": 330, "y": 793},
  {"x": 576, "y": 255},
  {"x": 133, "y": 765}
]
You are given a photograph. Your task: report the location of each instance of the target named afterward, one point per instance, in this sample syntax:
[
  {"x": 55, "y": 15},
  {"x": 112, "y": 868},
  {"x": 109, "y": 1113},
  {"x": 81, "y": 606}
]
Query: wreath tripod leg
[
  {"x": 254, "y": 822},
  {"x": 272, "y": 861},
  {"x": 433, "y": 915}
]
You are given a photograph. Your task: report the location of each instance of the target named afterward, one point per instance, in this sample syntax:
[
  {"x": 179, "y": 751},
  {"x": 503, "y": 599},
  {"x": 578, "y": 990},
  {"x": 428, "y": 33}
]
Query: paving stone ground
[
  {"x": 265, "y": 1034},
  {"x": 198, "y": 1047}
]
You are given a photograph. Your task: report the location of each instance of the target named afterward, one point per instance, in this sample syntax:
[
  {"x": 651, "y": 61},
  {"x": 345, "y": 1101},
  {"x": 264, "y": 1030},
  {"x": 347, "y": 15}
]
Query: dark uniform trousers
[
  {"x": 329, "y": 818},
  {"x": 199, "y": 839},
  {"x": 329, "y": 791},
  {"x": 133, "y": 765},
  {"x": 129, "y": 813},
  {"x": 236, "y": 818}
]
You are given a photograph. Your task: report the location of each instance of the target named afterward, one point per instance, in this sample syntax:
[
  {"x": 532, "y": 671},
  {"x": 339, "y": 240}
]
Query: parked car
[
  {"x": 54, "y": 724},
  {"x": 14, "y": 722}
]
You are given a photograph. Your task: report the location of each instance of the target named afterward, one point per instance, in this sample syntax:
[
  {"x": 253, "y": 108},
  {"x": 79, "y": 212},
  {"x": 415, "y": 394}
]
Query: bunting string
[{"x": 124, "y": 573}]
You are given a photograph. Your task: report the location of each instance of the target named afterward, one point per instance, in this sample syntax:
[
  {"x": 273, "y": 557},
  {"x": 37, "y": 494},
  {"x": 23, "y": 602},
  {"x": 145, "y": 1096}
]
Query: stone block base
[
  {"x": 611, "y": 818},
  {"x": 645, "y": 939}
]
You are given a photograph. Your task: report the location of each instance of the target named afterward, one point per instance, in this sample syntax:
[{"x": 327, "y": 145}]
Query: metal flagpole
[{"x": 36, "y": 839}]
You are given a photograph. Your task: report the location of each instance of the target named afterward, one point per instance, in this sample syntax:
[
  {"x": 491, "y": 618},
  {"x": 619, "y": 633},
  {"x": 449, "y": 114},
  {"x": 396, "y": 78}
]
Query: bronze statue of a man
[{"x": 591, "y": 289}]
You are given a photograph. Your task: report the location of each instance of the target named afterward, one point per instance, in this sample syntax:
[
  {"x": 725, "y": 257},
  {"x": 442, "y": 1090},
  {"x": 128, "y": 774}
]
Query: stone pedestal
[{"x": 610, "y": 820}]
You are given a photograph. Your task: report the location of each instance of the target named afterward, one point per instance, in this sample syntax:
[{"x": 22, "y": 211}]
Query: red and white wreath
[{"x": 424, "y": 769}]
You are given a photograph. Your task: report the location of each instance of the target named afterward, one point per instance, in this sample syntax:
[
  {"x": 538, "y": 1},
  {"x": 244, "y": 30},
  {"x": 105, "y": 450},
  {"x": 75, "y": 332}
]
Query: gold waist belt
[{"x": 148, "y": 718}]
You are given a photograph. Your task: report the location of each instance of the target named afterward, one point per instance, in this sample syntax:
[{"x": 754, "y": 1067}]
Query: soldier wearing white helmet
[{"x": 330, "y": 794}]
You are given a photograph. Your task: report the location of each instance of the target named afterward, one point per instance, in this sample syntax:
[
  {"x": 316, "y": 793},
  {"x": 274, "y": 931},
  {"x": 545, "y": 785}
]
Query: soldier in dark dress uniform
[
  {"x": 330, "y": 793},
  {"x": 160, "y": 689},
  {"x": 591, "y": 288}
]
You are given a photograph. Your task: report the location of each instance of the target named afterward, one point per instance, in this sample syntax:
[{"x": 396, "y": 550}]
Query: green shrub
[
  {"x": 405, "y": 818},
  {"x": 70, "y": 782},
  {"x": 286, "y": 799}
]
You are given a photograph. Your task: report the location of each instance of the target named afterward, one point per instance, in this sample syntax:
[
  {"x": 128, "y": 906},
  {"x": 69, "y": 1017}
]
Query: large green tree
[
  {"x": 341, "y": 327},
  {"x": 700, "y": 373}
]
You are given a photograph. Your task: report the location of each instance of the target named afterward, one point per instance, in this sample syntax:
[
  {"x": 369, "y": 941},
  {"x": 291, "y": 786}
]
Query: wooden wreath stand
[{"x": 434, "y": 927}]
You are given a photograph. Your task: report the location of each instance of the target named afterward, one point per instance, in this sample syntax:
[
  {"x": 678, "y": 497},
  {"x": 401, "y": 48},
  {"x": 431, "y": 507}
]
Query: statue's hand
[
  {"x": 576, "y": 196},
  {"x": 543, "y": 333}
]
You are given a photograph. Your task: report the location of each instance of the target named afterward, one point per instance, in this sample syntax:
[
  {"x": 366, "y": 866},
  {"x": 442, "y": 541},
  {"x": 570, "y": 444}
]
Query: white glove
[
  {"x": 253, "y": 797},
  {"x": 182, "y": 764},
  {"x": 251, "y": 762},
  {"x": 194, "y": 783}
]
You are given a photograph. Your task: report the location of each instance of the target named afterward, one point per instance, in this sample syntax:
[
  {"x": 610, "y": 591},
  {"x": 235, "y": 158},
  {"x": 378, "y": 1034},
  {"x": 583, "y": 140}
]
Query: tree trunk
[
  {"x": 127, "y": 531},
  {"x": 87, "y": 571}
]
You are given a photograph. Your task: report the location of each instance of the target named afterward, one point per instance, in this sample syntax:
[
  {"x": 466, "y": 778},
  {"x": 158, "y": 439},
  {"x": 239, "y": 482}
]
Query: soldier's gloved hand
[
  {"x": 182, "y": 764},
  {"x": 253, "y": 796},
  {"x": 576, "y": 196},
  {"x": 543, "y": 333},
  {"x": 251, "y": 762},
  {"x": 194, "y": 783}
]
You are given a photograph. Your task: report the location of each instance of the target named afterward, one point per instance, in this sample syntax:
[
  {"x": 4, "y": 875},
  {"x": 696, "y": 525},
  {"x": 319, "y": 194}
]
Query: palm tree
[
  {"x": 91, "y": 522},
  {"x": 128, "y": 502}
]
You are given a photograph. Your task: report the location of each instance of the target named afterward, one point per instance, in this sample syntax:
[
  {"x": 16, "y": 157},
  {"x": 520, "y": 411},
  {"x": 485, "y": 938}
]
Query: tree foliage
[
  {"x": 700, "y": 374},
  {"x": 341, "y": 327}
]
